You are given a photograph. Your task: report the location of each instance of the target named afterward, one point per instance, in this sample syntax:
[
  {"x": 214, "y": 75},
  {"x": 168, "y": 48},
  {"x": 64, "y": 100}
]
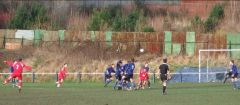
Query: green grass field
[{"x": 96, "y": 94}]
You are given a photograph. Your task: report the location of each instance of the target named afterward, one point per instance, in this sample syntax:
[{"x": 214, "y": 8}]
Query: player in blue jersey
[
  {"x": 234, "y": 72},
  {"x": 108, "y": 74},
  {"x": 129, "y": 73},
  {"x": 119, "y": 74}
]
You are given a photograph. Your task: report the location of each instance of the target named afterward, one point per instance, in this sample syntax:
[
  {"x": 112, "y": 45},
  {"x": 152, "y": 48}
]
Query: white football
[{"x": 141, "y": 50}]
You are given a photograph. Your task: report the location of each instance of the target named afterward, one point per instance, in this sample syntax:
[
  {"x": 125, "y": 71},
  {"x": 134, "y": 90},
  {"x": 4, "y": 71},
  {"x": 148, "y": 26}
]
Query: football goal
[{"x": 214, "y": 61}]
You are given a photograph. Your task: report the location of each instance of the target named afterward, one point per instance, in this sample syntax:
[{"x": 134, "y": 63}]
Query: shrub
[
  {"x": 215, "y": 16},
  {"x": 210, "y": 24},
  {"x": 117, "y": 24},
  {"x": 95, "y": 23},
  {"x": 107, "y": 16},
  {"x": 197, "y": 23},
  {"x": 148, "y": 29},
  {"x": 111, "y": 19},
  {"x": 217, "y": 12},
  {"x": 131, "y": 21},
  {"x": 29, "y": 15}
]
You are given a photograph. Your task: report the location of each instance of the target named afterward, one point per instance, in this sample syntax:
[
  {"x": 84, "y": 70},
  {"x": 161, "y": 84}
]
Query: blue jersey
[
  {"x": 119, "y": 70},
  {"x": 147, "y": 69},
  {"x": 11, "y": 69},
  {"x": 234, "y": 69},
  {"x": 125, "y": 67},
  {"x": 109, "y": 71},
  {"x": 133, "y": 66},
  {"x": 130, "y": 68}
]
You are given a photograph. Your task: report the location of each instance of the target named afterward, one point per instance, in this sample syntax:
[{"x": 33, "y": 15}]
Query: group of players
[
  {"x": 16, "y": 69},
  {"x": 124, "y": 75}
]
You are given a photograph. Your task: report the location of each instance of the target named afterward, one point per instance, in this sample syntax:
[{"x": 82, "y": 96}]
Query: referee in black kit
[{"x": 164, "y": 74}]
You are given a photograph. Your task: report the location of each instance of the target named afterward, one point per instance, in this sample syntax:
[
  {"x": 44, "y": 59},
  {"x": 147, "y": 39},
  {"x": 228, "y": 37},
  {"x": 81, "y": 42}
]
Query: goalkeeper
[{"x": 234, "y": 73}]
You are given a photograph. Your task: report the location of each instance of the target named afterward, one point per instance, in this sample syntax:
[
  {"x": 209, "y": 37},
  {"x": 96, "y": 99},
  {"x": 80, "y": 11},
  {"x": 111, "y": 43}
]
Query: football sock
[
  {"x": 225, "y": 79},
  {"x": 235, "y": 84},
  {"x": 108, "y": 81},
  {"x": 149, "y": 84},
  {"x": 115, "y": 84},
  {"x": 128, "y": 85},
  {"x": 164, "y": 89},
  {"x": 133, "y": 84}
]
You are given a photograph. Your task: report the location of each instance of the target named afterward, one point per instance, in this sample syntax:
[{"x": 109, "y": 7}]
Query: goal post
[{"x": 200, "y": 58}]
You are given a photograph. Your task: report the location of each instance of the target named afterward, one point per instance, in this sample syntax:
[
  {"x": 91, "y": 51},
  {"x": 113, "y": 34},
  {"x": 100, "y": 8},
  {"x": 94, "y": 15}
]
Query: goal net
[{"x": 214, "y": 63}]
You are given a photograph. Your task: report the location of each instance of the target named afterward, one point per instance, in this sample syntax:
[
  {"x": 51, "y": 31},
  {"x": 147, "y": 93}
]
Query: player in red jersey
[
  {"x": 17, "y": 73},
  {"x": 61, "y": 75},
  {"x": 143, "y": 76}
]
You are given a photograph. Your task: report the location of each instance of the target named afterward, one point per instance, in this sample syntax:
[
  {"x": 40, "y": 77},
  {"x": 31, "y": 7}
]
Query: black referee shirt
[{"x": 164, "y": 68}]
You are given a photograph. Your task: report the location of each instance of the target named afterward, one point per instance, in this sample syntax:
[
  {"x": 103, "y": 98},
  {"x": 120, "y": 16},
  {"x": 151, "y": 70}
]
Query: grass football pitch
[{"x": 95, "y": 94}]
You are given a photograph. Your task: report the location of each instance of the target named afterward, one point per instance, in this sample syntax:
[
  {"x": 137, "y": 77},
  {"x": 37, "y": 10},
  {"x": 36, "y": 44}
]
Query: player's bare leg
[
  {"x": 139, "y": 85},
  {"x": 233, "y": 83},
  {"x": 133, "y": 83},
  {"x": 164, "y": 87},
  {"x": 143, "y": 85},
  {"x": 234, "y": 80},
  {"x": 108, "y": 81},
  {"x": 59, "y": 83},
  {"x": 19, "y": 86},
  {"x": 6, "y": 81},
  {"x": 149, "y": 84},
  {"x": 124, "y": 83},
  {"x": 128, "y": 85}
]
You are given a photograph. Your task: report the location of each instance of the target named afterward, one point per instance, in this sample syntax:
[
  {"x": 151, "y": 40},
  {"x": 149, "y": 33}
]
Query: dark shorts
[
  {"x": 229, "y": 74},
  {"x": 235, "y": 75},
  {"x": 17, "y": 75},
  {"x": 163, "y": 77},
  {"x": 108, "y": 76},
  {"x": 119, "y": 77},
  {"x": 128, "y": 77}
]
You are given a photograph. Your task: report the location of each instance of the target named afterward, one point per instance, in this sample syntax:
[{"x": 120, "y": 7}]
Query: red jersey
[
  {"x": 143, "y": 75},
  {"x": 62, "y": 72},
  {"x": 18, "y": 67}
]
